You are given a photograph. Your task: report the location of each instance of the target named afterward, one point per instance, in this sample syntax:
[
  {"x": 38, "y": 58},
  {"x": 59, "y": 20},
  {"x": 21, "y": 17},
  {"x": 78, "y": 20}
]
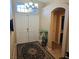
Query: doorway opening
[
  {"x": 58, "y": 24},
  {"x": 57, "y": 29}
]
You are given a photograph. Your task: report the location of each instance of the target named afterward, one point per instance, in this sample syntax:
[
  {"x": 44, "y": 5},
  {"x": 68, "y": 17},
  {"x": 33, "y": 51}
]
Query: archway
[
  {"x": 58, "y": 24},
  {"x": 57, "y": 28}
]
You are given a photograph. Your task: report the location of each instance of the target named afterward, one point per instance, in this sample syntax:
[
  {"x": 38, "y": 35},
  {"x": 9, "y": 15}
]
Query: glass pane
[
  {"x": 18, "y": 6},
  {"x": 36, "y": 5},
  {"x": 22, "y": 6},
  {"x": 26, "y": 10},
  {"x": 18, "y": 9},
  {"x": 30, "y": 3},
  {"x": 33, "y": 6},
  {"x": 22, "y": 10},
  {"x": 27, "y": 5},
  {"x": 30, "y": 10}
]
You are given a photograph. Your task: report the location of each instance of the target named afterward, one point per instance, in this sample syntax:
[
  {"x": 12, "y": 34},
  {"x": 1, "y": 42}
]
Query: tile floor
[{"x": 55, "y": 52}]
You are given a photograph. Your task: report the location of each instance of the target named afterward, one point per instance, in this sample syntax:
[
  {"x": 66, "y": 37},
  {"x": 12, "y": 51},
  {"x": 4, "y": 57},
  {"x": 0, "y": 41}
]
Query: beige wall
[
  {"x": 67, "y": 42},
  {"x": 12, "y": 34},
  {"x": 10, "y": 9},
  {"x": 65, "y": 37},
  {"x": 46, "y": 13},
  {"x": 12, "y": 44},
  {"x": 58, "y": 14}
]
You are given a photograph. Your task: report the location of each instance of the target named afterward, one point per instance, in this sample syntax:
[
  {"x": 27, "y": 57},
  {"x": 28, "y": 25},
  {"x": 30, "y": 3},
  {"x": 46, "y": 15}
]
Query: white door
[
  {"x": 21, "y": 23},
  {"x": 33, "y": 28}
]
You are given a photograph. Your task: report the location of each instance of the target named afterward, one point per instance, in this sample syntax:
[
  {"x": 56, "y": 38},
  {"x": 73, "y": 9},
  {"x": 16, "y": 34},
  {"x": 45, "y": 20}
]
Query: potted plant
[{"x": 44, "y": 38}]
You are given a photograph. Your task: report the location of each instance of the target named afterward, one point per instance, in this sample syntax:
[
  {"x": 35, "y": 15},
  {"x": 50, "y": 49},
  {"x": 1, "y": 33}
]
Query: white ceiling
[
  {"x": 45, "y": 1},
  {"x": 52, "y": 1}
]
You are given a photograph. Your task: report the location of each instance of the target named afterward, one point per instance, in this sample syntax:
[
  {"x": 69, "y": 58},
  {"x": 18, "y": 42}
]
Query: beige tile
[{"x": 55, "y": 52}]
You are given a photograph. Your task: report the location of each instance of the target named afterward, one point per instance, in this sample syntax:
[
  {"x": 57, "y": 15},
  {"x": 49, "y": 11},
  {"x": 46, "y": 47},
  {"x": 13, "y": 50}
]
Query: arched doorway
[
  {"x": 57, "y": 28},
  {"x": 58, "y": 24}
]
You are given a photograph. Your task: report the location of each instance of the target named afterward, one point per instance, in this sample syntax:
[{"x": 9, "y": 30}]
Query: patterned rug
[{"x": 32, "y": 50}]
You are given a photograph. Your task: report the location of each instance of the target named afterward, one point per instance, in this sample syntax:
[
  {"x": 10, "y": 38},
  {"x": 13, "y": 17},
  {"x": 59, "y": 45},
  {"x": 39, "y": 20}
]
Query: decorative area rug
[{"x": 32, "y": 50}]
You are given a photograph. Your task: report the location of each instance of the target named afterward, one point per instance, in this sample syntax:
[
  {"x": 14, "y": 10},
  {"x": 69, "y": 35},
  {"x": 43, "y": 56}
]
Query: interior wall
[
  {"x": 46, "y": 13},
  {"x": 12, "y": 33},
  {"x": 12, "y": 44},
  {"x": 60, "y": 30},
  {"x": 65, "y": 37},
  {"x": 10, "y": 9},
  {"x": 67, "y": 41},
  {"x": 51, "y": 31},
  {"x": 59, "y": 14},
  {"x": 11, "y": 40},
  {"x": 57, "y": 28}
]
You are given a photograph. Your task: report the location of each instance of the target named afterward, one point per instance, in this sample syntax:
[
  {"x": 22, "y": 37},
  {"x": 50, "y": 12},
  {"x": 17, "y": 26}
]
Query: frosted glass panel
[
  {"x": 30, "y": 3},
  {"x": 27, "y": 7},
  {"x": 18, "y": 9},
  {"x": 36, "y": 5},
  {"x": 22, "y": 10}
]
